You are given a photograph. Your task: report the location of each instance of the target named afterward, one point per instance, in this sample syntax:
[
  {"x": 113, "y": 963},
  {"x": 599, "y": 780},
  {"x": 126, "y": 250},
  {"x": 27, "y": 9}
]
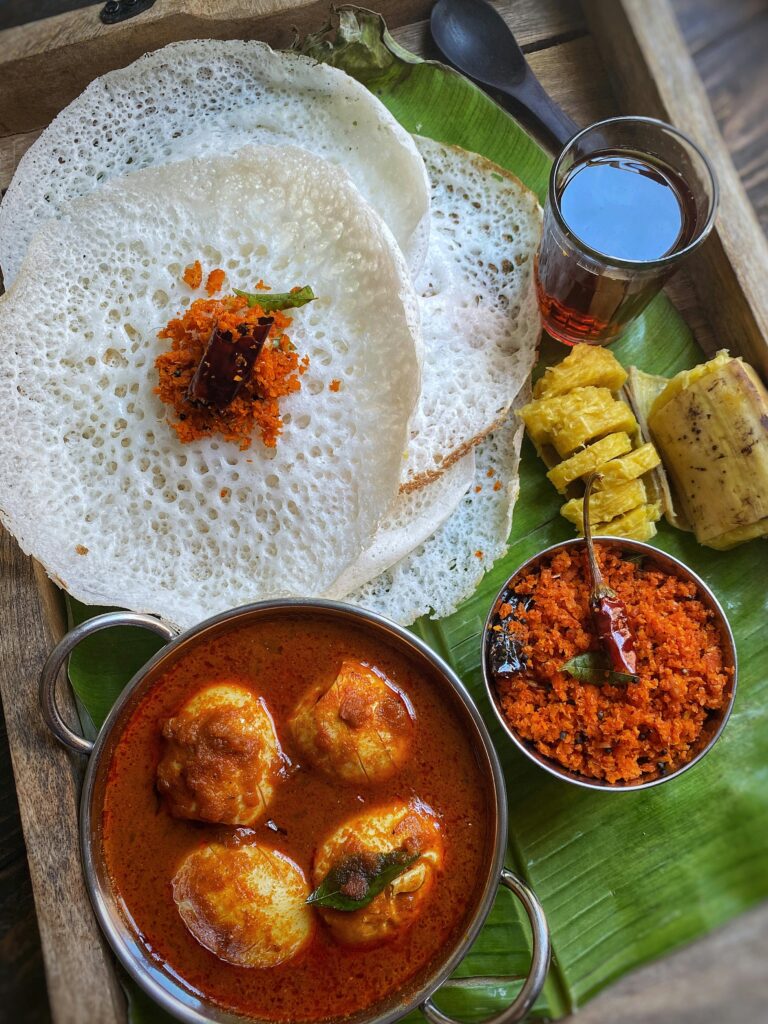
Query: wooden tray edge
[{"x": 81, "y": 980}]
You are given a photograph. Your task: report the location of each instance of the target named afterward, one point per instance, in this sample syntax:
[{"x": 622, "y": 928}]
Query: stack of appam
[{"x": 393, "y": 490}]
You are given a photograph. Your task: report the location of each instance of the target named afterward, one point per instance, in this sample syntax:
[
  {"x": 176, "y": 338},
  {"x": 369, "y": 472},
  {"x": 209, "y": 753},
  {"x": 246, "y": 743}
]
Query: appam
[
  {"x": 95, "y": 484},
  {"x": 210, "y": 96},
  {"x": 444, "y": 570},
  {"x": 479, "y": 314},
  {"x": 414, "y": 516}
]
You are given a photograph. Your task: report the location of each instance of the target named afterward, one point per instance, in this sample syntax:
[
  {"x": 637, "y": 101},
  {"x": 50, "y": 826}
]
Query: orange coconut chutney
[
  {"x": 647, "y": 727},
  {"x": 255, "y": 411}
]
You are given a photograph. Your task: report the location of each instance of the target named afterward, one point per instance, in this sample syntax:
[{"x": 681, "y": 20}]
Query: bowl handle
[
  {"x": 537, "y": 974},
  {"x": 61, "y": 652}
]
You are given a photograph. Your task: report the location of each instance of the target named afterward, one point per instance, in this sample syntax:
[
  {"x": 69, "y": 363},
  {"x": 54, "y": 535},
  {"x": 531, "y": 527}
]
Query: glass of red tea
[{"x": 629, "y": 198}]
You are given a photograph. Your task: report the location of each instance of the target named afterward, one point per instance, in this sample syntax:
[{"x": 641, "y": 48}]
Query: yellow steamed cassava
[
  {"x": 586, "y": 366},
  {"x": 638, "y": 524},
  {"x": 580, "y": 424},
  {"x": 588, "y": 459},
  {"x": 580, "y": 413},
  {"x": 605, "y": 505},
  {"x": 629, "y": 467}
]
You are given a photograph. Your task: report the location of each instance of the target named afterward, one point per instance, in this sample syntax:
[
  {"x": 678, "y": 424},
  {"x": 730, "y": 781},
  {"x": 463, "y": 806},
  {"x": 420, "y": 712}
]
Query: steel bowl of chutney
[
  {"x": 293, "y": 813},
  {"x": 560, "y": 684}
]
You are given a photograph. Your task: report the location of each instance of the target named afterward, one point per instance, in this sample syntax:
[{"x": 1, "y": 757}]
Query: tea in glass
[{"x": 629, "y": 198}]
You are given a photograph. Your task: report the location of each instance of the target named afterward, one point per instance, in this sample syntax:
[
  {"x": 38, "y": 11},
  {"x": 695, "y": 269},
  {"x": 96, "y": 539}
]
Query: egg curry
[{"x": 294, "y": 804}]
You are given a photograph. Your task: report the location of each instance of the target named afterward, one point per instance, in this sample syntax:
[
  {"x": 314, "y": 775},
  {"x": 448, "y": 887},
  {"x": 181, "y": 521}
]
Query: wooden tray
[{"x": 601, "y": 58}]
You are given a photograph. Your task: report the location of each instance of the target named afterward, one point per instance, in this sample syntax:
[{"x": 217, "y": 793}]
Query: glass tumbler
[{"x": 587, "y": 295}]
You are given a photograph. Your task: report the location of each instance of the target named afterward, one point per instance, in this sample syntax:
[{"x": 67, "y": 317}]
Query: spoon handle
[{"x": 537, "y": 111}]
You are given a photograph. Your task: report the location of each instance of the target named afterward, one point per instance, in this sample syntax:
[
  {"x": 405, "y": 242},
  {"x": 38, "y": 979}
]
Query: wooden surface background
[{"x": 729, "y": 43}]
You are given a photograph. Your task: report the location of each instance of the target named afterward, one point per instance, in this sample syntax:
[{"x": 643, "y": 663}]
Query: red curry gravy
[{"x": 143, "y": 844}]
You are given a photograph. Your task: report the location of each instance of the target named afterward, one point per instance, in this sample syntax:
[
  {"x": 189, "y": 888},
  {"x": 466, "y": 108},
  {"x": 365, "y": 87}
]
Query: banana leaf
[{"x": 623, "y": 878}]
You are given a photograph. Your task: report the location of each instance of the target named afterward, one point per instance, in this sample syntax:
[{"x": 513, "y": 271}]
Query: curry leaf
[
  {"x": 357, "y": 879},
  {"x": 594, "y": 667},
  {"x": 634, "y": 559},
  {"x": 270, "y": 301}
]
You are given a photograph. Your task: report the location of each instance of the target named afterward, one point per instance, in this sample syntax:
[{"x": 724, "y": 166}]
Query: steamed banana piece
[
  {"x": 711, "y": 427},
  {"x": 642, "y": 389},
  {"x": 579, "y": 423}
]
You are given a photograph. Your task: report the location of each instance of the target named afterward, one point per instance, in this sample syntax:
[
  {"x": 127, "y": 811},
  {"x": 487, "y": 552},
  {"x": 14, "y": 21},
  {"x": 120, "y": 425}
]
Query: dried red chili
[
  {"x": 227, "y": 363},
  {"x": 608, "y": 613}
]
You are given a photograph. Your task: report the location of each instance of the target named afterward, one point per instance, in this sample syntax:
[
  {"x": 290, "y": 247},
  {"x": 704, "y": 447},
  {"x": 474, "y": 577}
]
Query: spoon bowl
[{"x": 476, "y": 40}]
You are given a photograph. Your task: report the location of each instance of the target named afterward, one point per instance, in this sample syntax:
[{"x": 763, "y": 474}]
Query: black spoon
[{"x": 474, "y": 37}]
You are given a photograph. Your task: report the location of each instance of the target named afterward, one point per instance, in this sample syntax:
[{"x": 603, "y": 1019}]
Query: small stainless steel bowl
[{"x": 674, "y": 567}]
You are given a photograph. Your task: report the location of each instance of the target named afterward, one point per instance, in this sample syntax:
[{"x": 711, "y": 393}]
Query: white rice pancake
[
  {"x": 94, "y": 482},
  {"x": 446, "y": 569},
  {"x": 213, "y": 96},
  {"x": 479, "y": 314},
  {"x": 414, "y": 516}
]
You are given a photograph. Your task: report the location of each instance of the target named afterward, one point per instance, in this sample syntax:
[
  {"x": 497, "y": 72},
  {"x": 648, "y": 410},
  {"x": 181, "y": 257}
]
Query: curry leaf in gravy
[
  {"x": 594, "y": 667},
  {"x": 356, "y": 880},
  {"x": 271, "y": 301}
]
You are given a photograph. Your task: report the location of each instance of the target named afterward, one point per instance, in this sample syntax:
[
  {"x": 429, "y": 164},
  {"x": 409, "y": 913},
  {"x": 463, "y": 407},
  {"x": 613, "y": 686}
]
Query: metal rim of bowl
[
  {"x": 666, "y": 562},
  {"x": 118, "y": 931}
]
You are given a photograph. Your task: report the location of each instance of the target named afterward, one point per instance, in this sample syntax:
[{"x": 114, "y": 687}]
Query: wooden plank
[
  {"x": 721, "y": 979},
  {"x": 653, "y": 74},
  {"x": 12, "y": 149},
  {"x": 23, "y": 973},
  {"x": 77, "y": 47},
  {"x": 535, "y": 24},
  {"x": 734, "y": 71},
  {"x": 560, "y": 69},
  {"x": 81, "y": 980}
]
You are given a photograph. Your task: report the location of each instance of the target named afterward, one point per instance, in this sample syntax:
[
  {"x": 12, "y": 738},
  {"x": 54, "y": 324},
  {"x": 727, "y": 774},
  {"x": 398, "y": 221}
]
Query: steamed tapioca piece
[
  {"x": 221, "y": 759},
  {"x": 628, "y": 467},
  {"x": 587, "y": 422},
  {"x": 605, "y": 505},
  {"x": 210, "y": 97},
  {"x": 637, "y": 524},
  {"x": 356, "y": 850},
  {"x": 359, "y": 729},
  {"x": 584, "y": 366},
  {"x": 479, "y": 316},
  {"x": 568, "y": 421},
  {"x": 246, "y": 904},
  {"x": 90, "y": 459}
]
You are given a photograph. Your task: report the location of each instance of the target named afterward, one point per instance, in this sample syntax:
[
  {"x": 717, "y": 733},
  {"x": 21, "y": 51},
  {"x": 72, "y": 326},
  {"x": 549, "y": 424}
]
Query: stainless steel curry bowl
[
  {"x": 670, "y": 565},
  {"x": 164, "y": 986}
]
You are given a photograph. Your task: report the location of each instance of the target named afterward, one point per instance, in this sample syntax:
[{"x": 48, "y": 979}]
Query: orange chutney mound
[
  {"x": 276, "y": 373},
  {"x": 615, "y": 733}
]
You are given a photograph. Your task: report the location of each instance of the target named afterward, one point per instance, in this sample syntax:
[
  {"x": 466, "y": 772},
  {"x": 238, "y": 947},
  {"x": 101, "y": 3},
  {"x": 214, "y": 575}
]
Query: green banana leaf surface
[{"x": 623, "y": 878}]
